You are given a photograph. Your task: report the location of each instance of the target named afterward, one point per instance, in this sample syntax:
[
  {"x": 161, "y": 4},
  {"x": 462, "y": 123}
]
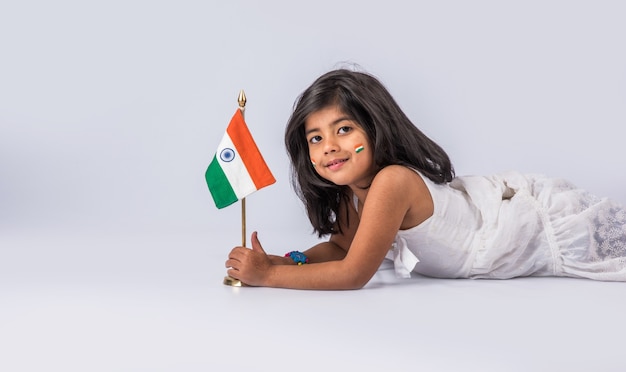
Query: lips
[{"x": 335, "y": 162}]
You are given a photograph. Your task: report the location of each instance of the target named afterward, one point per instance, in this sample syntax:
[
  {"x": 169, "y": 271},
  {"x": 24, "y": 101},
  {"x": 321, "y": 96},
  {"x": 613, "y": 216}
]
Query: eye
[
  {"x": 315, "y": 139},
  {"x": 344, "y": 130}
]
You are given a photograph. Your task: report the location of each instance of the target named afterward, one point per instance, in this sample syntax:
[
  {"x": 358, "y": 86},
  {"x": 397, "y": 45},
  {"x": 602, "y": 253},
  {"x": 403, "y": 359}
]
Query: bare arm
[
  {"x": 335, "y": 248},
  {"x": 395, "y": 194},
  {"x": 322, "y": 252}
]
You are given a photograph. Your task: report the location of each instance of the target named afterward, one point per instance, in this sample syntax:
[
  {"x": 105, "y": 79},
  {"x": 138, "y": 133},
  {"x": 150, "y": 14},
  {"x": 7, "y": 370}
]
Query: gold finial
[{"x": 242, "y": 99}]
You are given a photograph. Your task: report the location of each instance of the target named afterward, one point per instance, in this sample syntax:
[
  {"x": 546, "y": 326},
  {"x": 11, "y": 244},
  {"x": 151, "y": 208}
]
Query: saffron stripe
[{"x": 249, "y": 152}]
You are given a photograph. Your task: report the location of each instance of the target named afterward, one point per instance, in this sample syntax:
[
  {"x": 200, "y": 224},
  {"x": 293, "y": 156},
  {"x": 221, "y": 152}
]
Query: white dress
[{"x": 511, "y": 225}]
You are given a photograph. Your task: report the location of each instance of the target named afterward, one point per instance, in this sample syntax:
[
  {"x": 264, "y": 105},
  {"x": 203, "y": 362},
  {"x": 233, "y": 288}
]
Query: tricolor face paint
[{"x": 358, "y": 148}]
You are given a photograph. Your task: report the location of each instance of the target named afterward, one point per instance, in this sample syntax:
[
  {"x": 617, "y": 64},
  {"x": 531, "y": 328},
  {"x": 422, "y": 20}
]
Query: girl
[{"x": 380, "y": 188}]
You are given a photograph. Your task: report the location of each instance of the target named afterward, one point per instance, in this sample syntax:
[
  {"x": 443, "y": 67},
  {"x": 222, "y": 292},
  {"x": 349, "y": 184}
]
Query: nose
[{"x": 330, "y": 146}]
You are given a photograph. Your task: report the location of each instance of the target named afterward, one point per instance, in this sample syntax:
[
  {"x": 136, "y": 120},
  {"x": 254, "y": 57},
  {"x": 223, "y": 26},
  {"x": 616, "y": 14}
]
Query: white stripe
[{"x": 235, "y": 170}]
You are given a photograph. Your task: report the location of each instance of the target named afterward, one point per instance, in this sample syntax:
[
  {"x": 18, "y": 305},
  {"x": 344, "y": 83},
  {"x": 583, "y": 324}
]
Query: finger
[
  {"x": 230, "y": 263},
  {"x": 238, "y": 253},
  {"x": 256, "y": 244},
  {"x": 233, "y": 273}
]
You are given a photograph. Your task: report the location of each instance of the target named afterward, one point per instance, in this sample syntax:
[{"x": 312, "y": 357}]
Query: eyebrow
[{"x": 333, "y": 123}]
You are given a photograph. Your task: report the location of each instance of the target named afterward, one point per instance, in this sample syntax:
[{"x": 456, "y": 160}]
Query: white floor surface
[{"x": 145, "y": 302}]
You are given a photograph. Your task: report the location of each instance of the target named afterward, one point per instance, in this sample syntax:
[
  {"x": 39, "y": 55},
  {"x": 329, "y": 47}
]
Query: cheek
[
  {"x": 359, "y": 147},
  {"x": 364, "y": 157},
  {"x": 312, "y": 158},
  {"x": 314, "y": 154}
]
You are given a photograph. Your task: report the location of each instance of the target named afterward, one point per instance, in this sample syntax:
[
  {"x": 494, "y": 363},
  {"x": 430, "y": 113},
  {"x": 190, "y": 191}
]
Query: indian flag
[{"x": 237, "y": 169}]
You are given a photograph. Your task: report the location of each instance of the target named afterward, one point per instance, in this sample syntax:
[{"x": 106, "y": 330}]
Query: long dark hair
[{"x": 394, "y": 138}]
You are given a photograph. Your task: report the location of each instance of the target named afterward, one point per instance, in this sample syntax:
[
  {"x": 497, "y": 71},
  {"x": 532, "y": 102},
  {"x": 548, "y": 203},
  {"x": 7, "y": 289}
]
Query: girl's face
[{"x": 339, "y": 148}]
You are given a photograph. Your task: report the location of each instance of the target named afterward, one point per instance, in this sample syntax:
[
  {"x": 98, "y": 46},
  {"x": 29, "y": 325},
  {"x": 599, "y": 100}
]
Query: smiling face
[{"x": 339, "y": 148}]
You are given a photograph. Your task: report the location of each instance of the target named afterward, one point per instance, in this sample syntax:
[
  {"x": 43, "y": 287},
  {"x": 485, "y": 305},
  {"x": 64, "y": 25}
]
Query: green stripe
[{"x": 223, "y": 194}]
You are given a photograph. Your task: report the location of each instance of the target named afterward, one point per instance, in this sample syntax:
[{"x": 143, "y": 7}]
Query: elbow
[
  {"x": 351, "y": 286},
  {"x": 349, "y": 276},
  {"x": 357, "y": 281},
  {"x": 359, "y": 286}
]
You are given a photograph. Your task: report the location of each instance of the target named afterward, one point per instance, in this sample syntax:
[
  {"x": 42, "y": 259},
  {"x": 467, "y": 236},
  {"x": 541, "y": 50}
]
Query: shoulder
[
  {"x": 397, "y": 176},
  {"x": 398, "y": 182},
  {"x": 403, "y": 188}
]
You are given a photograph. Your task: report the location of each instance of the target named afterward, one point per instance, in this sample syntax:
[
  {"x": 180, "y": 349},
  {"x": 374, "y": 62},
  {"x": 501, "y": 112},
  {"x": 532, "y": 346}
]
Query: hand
[
  {"x": 280, "y": 260},
  {"x": 251, "y": 266}
]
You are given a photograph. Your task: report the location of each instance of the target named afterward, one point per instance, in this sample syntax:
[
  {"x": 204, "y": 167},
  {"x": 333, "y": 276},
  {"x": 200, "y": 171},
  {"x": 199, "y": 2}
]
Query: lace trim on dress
[
  {"x": 609, "y": 224},
  {"x": 610, "y": 233}
]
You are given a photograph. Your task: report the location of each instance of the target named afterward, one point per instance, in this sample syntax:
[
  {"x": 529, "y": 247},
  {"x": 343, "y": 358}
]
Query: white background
[{"x": 111, "y": 111}]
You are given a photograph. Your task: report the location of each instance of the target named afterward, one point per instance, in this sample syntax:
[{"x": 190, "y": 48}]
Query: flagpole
[
  {"x": 242, "y": 106},
  {"x": 229, "y": 280}
]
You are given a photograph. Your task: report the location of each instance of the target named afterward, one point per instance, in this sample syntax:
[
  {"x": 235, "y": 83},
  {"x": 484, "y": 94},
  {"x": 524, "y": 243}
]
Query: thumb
[{"x": 256, "y": 244}]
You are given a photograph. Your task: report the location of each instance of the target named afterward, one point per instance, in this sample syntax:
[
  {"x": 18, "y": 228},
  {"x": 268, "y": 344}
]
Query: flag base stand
[{"x": 229, "y": 280}]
